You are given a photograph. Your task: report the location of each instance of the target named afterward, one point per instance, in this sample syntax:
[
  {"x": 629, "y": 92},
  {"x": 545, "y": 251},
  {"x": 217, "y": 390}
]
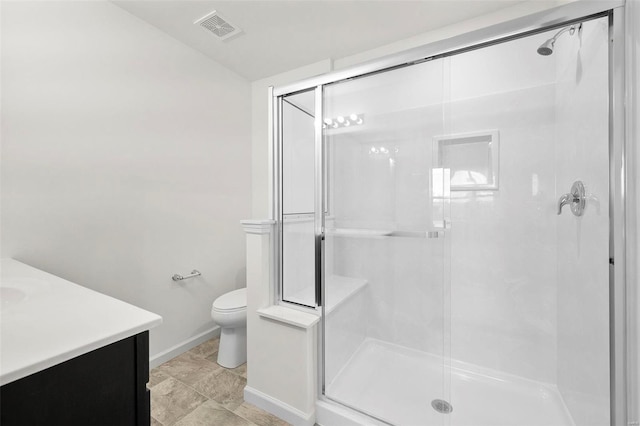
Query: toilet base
[{"x": 232, "y": 351}]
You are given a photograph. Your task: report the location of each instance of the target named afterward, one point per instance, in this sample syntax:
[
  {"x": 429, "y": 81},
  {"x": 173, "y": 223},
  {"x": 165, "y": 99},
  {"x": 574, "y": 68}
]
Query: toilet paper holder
[{"x": 193, "y": 274}]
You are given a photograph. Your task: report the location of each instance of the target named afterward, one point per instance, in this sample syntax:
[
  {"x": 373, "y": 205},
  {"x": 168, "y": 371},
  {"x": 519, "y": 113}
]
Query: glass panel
[
  {"x": 298, "y": 142},
  {"x": 384, "y": 272},
  {"x": 297, "y": 197},
  {"x": 529, "y": 288},
  {"x": 298, "y": 276},
  {"x": 582, "y": 153}
]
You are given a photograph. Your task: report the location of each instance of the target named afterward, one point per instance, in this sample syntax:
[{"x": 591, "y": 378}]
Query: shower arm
[{"x": 564, "y": 30}]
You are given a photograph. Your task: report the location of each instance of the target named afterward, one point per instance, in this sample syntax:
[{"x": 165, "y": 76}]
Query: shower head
[{"x": 546, "y": 48}]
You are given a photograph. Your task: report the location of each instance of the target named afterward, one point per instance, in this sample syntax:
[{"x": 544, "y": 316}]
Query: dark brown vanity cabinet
[{"x": 107, "y": 386}]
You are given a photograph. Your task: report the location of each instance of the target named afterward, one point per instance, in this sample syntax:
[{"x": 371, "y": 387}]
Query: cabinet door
[{"x": 106, "y": 386}]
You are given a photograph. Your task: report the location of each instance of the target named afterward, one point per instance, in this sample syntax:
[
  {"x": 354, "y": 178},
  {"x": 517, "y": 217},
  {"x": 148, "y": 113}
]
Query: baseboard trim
[
  {"x": 278, "y": 408},
  {"x": 183, "y": 346}
]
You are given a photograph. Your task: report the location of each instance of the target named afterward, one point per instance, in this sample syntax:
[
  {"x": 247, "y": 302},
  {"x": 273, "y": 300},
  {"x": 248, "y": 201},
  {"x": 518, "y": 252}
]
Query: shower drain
[{"x": 441, "y": 406}]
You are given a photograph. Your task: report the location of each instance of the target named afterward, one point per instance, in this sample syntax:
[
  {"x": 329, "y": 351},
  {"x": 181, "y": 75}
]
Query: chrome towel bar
[{"x": 193, "y": 274}]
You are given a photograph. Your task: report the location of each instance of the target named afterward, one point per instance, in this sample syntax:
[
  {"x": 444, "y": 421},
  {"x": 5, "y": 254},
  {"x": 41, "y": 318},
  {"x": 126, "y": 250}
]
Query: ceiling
[{"x": 282, "y": 35}]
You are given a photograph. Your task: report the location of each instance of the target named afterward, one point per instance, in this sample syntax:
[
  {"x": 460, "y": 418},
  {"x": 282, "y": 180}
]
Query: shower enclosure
[{"x": 431, "y": 211}]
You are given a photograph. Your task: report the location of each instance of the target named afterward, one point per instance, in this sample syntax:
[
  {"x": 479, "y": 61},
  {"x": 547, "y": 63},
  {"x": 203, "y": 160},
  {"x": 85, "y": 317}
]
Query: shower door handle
[{"x": 576, "y": 199}]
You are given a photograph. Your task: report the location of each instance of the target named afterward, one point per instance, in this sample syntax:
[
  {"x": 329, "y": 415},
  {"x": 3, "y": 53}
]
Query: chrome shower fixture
[
  {"x": 576, "y": 199},
  {"x": 546, "y": 48}
]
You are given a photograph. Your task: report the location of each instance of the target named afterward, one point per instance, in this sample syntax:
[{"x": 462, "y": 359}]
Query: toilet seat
[
  {"x": 233, "y": 301},
  {"x": 228, "y": 311}
]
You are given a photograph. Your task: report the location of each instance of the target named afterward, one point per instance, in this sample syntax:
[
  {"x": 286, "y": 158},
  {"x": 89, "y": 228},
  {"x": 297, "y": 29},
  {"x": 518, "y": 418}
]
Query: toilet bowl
[{"x": 229, "y": 311}]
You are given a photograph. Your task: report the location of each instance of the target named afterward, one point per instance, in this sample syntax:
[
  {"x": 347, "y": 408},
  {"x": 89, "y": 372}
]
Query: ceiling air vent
[{"x": 218, "y": 26}]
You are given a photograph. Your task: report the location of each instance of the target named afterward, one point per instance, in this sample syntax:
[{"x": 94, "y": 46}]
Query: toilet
[{"x": 229, "y": 311}]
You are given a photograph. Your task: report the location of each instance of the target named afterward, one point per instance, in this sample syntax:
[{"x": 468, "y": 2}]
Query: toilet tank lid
[{"x": 232, "y": 300}]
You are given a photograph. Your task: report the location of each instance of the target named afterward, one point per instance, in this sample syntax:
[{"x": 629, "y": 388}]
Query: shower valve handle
[{"x": 576, "y": 199}]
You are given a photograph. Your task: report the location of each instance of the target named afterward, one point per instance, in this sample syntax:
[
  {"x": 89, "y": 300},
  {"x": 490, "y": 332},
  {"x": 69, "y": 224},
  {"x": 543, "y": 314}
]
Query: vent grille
[{"x": 217, "y": 25}]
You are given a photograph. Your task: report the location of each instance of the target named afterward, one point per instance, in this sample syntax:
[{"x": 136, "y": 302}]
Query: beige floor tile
[
  {"x": 207, "y": 348},
  {"x": 240, "y": 370},
  {"x": 155, "y": 377},
  {"x": 213, "y": 357},
  {"x": 258, "y": 416},
  {"x": 223, "y": 387},
  {"x": 172, "y": 400},
  {"x": 210, "y": 414},
  {"x": 155, "y": 422},
  {"x": 188, "y": 367}
]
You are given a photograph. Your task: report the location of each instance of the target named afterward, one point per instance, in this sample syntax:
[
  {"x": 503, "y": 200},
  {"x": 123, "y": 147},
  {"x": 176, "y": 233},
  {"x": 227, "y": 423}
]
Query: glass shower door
[
  {"x": 529, "y": 284},
  {"x": 385, "y": 316}
]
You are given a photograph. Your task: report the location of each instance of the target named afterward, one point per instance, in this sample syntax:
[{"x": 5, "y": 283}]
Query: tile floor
[{"x": 192, "y": 389}]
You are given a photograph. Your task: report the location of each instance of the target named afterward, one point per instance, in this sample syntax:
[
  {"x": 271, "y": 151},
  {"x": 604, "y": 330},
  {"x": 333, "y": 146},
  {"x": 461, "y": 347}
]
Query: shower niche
[
  {"x": 416, "y": 210},
  {"x": 473, "y": 159}
]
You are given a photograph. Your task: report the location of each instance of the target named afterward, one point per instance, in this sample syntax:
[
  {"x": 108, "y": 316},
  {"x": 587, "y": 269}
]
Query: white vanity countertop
[{"x": 46, "y": 320}]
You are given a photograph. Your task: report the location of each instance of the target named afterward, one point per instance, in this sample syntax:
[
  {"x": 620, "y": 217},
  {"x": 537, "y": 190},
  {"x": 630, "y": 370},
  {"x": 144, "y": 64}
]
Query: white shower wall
[
  {"x": 125, "y": 159},
  {"x": 501, "y": 294}
]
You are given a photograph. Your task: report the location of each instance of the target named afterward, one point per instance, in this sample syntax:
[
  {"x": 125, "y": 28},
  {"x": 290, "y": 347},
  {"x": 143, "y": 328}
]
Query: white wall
[
  {"x": 125, "y": 159},
  {"x": 519, "y": 10}
]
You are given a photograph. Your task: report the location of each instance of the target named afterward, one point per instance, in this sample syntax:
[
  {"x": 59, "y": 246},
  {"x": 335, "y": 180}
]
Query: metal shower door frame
[{"x": 620, "y": 186}]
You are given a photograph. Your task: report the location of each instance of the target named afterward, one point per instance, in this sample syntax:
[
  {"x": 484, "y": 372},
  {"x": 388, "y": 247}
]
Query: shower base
[{"x": 398, "y": 385}]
